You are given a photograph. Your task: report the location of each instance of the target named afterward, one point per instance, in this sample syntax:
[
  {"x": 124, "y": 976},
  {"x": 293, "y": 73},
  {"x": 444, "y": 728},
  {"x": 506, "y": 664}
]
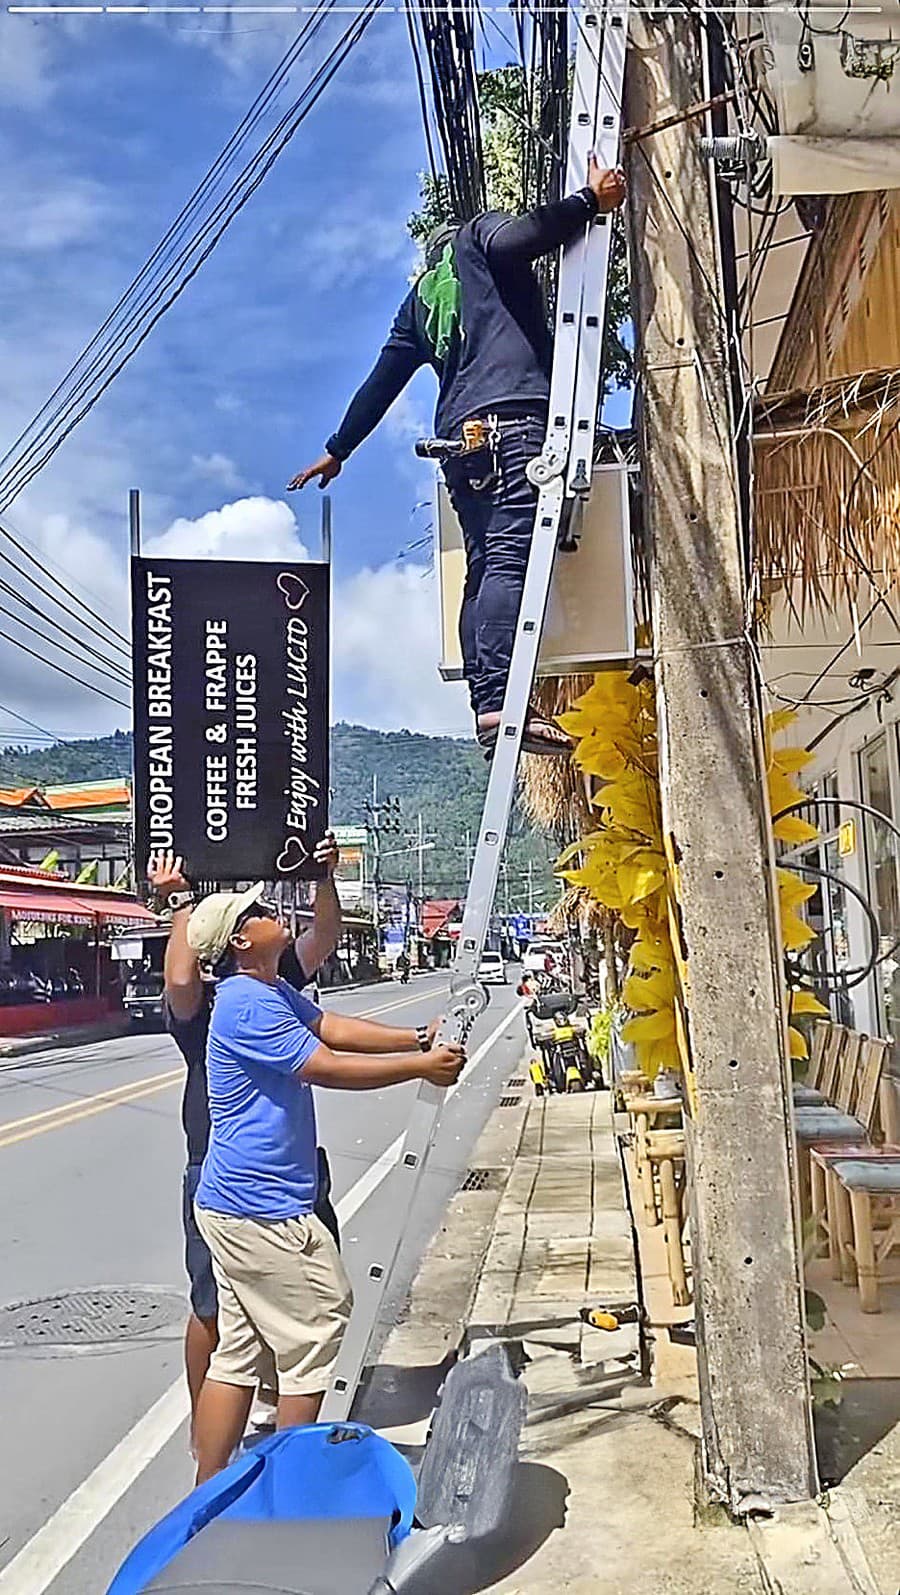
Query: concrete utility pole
[
  {"x": 757, "y": 1430},
  {"x": 380, "y": 817},
  {"x": 421, "y": 852}
]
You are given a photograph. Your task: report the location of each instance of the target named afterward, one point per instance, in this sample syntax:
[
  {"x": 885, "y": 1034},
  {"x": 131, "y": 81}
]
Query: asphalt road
[{"x": 93, "y": 1444}]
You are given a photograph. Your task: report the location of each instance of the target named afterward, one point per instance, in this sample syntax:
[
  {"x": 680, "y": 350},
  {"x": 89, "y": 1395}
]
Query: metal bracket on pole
[{"x": 561, "y": 471}]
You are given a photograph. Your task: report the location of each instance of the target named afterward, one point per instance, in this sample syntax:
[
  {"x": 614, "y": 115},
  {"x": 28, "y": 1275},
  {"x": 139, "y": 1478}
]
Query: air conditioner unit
[
  {"x": 835, "y": 79},
  {"x": 589, "y": 622}
]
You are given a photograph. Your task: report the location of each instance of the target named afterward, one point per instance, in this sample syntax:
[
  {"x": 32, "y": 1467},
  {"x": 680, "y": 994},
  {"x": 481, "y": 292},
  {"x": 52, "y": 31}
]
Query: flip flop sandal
[{"x": 547, "y": 746}]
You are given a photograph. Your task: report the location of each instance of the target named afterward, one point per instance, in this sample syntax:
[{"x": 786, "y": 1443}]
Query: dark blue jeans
[{"x": 497, "y": 524}]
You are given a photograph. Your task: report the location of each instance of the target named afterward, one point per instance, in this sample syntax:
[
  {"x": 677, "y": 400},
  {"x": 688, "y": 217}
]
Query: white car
[
  {"x": 536, "y": 954},
  {"x": 492, "y": 970}
]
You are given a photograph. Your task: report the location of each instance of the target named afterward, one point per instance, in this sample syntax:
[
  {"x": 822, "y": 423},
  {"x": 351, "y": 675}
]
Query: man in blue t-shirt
[
  {"x": 477, "y": 316},
  {"x": 281, "y": 1286},
  {"x": 188, "y": 1004}
]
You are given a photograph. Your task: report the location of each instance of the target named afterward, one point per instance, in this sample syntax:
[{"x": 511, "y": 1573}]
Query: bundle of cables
[{"x": 183, "y": 249}]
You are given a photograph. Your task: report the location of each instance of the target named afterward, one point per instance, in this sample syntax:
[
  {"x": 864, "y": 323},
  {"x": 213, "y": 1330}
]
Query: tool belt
[
  {"x": 478, "y": 437},
  {"x": 478, "y": 442}
]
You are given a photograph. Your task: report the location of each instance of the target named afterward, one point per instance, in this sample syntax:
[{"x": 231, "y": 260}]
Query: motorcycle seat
[
  {"x": 550, "y": 1004},
  {"x": 315, "y": 1556}
]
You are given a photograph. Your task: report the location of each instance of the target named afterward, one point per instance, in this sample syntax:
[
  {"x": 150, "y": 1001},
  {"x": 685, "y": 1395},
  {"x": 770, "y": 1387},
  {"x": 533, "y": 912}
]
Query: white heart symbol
[
  {"x": 292, "y": 855},
  {"x": 294, "y": 591}
]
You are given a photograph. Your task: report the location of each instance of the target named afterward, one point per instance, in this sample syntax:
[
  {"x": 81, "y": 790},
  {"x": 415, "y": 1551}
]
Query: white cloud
[
  {"x": 407, "y": 421},
  {"x": 386, "y": 643},
  {"x": 218, "y": 468},
  {"x": 385, "y": 632},
  {"x": 250, "y": 528},
  {"x": 51, "y": 210},
  {"x": 349, "y": 244},
  {"x": 241, "y": 46},
  {"x": 26, "y": 58}
]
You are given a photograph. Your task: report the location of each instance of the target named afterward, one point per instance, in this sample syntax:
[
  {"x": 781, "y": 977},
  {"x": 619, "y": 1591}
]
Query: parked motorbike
[{"x": 558, "y": 1025}]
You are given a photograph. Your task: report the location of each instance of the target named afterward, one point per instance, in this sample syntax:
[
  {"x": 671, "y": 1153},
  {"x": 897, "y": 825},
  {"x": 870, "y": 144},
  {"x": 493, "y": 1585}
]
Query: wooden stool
[
  {"x": 832, "y": 1221},
  {"x": 645, "y": 1110},
  {"x": 867, "y": 1181},
  {"x": 665, "y": 1153},
  {"x": 634, "y": 1082}
]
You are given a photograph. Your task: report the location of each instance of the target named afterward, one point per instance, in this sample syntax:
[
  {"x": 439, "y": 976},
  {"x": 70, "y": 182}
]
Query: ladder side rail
[{"x": 607, "y": 121}]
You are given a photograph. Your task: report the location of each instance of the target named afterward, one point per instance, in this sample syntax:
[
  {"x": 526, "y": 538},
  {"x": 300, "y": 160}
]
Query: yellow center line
[
  {"x": 109, "y": 1097},
  {"x": 88, "y": 1111},
  {"x": 122, "y": 1095}
]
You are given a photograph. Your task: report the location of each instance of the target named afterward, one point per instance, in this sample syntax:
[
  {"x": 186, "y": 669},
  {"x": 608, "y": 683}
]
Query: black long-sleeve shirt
[{"x": 500, "y": 352}]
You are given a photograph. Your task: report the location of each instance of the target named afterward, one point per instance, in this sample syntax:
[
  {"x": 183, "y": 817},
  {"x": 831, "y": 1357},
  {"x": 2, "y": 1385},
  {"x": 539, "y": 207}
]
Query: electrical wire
[
  {"x": 207, "y": 185},
  {"x": 51, "y": 665},
  {"x": 49, "y": 569},
  {"x": 416, "y": 48},
  {"x": 116, "y": 353},
  {"x": 810, "y": 801},
  {"x": 5, "y": 709},
  {"x": 116, "y": 640},
  {"x": 450, "y": 46},
  {"x": 120, "y": 670},
  {"x": 120, "y": 679}
]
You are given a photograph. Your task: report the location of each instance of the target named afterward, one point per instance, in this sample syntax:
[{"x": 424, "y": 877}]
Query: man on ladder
[{"x": 476, "y": 315}]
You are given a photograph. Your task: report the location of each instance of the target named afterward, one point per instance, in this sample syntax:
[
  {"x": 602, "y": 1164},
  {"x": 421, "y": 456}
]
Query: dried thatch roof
[
  {"x": 827, "y": 488},
  {"x": 577, "y": 903},
  {"x": 552, "y": 791}
]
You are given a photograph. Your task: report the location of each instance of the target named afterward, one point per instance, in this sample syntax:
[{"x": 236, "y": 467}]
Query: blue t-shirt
[{"x": 261, "y": 1161}]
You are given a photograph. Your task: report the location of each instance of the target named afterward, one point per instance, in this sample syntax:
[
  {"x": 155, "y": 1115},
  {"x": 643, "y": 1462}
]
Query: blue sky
[{"x": 106, "y": 124}]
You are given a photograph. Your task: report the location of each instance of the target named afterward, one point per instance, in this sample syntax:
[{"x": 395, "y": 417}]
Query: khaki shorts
[{"x": 282, "y": 1292}]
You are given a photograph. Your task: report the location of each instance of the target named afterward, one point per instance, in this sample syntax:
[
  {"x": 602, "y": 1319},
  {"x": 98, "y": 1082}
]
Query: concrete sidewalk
[{"x": 605, "y": 1497}]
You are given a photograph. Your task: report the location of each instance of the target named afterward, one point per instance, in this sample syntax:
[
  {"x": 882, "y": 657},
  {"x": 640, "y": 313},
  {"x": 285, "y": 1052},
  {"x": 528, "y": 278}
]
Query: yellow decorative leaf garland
[
  {"x": 623, "y": 863},
  {"x": 782, "y": 764}
]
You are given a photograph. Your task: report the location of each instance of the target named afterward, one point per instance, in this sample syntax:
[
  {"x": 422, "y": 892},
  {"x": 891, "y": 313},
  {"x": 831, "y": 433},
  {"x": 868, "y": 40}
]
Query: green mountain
[{"x": 441, "y": 778}]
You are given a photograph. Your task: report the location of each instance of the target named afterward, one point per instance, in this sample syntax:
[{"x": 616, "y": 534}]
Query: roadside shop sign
[{"x": 231, "y": 673}]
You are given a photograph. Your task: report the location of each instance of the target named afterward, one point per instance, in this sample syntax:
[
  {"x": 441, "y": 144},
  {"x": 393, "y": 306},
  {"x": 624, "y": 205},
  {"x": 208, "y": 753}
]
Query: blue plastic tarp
[{"x": 297, "y": 1474}]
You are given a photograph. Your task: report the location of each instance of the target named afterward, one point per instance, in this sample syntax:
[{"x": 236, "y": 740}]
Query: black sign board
[{"x": 231, "y": 670}]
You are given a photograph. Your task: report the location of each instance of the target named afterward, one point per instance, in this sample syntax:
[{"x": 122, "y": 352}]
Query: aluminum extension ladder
[{"x": 562, "y": 471}]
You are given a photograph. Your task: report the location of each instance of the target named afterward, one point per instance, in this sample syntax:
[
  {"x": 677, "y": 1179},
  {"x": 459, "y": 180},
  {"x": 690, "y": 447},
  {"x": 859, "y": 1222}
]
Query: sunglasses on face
[{"x": 260, "y": 910}]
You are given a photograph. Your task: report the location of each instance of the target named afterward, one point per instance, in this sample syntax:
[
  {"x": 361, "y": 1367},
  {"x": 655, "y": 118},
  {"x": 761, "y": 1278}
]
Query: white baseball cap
[{"x": 211, "y": 925}]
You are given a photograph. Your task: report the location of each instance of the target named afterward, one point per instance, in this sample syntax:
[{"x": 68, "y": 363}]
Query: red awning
[
  {"x": 56, "y": 907},
  {"x": 48, "y": 907},
  {"x": 115, "y": 909}
]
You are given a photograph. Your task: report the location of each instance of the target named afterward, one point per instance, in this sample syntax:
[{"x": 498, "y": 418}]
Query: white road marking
[
  {"x": 350, "y": 1204},
  {"x": 43, "y": 1558},
  {"x": 52, "y": 1548}
]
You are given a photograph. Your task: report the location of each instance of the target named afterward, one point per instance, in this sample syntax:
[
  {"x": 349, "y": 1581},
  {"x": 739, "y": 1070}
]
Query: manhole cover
[
  {"x": 481, "y": 1180},
  {"x": 510, "y": 1102},
  {"x": 89, "y": 1317}
]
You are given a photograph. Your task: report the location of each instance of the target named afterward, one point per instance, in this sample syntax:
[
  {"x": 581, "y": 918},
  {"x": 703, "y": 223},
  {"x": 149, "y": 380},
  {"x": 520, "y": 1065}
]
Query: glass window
[
  {"x": 883, "y": 880},
  {"x": 829, "y": 818}
]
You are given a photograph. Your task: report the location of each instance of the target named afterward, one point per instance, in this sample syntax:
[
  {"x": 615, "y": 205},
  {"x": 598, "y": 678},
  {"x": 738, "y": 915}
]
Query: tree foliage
[
  {"x": 504, "y": 118},
  {"x": 443, "y": 778}
]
